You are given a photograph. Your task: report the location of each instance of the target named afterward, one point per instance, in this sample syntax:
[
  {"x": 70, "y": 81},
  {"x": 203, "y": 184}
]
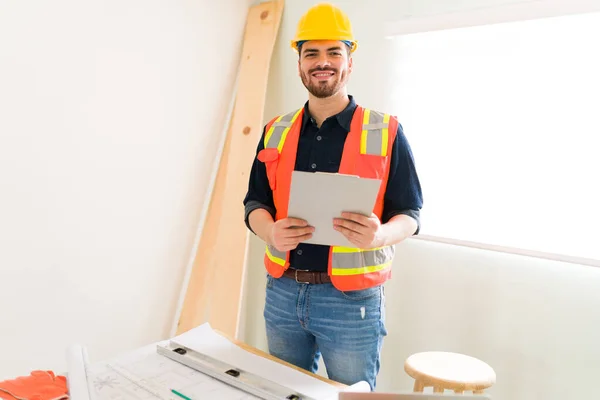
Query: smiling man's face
[{"x": 324, "y": 67}]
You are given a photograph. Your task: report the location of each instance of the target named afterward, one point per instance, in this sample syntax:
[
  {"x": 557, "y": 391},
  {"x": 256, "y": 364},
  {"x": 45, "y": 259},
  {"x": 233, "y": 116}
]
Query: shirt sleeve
[
  {"x": 403, "y": 192},
  {"x": 259, "y": 194}
]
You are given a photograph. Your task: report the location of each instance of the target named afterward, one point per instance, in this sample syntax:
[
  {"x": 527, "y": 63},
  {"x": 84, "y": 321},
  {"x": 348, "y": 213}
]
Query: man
[{"x": 327, "y": 300}]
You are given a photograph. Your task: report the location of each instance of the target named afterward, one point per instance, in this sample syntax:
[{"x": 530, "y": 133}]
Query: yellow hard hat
[{"x": 324, "y": 22}]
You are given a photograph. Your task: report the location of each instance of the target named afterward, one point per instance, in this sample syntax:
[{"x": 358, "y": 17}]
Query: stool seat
[{"x": 453, "y": 371}]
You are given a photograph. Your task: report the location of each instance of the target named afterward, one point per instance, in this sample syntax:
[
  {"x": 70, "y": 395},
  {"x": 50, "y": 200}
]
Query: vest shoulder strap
[
  {"x": 376, "y": 130},
  {"x": 278, "y": 129}
]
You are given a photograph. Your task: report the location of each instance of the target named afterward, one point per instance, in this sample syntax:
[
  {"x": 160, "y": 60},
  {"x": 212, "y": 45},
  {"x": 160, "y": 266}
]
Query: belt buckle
[{"x": 296, "y": 275}]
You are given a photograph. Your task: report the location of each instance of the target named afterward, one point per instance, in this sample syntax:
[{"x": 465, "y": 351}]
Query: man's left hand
[{"x": 363, "y": 232}]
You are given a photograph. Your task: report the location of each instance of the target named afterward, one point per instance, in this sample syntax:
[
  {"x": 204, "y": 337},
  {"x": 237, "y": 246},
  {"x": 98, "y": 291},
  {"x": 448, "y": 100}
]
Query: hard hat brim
[{"x": 294, "y": 43}]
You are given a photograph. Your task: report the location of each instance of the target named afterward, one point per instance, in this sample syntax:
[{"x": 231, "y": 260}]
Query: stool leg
[
  {"x": 458, "y": 391},
  {"x": 438, "y": 389},
  {"x": 477, "y": 391},
  {"x": 418, "y": 386}
]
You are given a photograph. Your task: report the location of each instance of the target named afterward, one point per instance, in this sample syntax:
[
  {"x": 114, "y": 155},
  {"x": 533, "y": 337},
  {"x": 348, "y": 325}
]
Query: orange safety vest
[{"x": 366, "y": 153}]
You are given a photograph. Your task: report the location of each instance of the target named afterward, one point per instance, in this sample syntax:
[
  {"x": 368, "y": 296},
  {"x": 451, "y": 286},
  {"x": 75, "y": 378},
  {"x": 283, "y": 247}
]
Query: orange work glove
[{"x": 39, "y": 385}]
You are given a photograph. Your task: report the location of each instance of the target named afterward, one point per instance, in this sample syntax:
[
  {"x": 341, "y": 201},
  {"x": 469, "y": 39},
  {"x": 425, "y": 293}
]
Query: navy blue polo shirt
[{"x": 320, "y": 149}]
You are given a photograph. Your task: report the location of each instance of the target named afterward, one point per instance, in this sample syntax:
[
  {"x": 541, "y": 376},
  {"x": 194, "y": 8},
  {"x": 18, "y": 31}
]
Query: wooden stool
[{"x": 451, "y": 371}]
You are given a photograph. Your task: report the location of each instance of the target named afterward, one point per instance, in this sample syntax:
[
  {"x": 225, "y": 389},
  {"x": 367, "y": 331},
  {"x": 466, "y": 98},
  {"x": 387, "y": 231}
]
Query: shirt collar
[{"x": 344, "y": 117}]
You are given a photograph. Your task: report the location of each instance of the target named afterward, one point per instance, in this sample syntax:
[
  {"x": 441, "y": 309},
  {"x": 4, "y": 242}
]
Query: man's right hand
[{"x": 287, "y": 233}]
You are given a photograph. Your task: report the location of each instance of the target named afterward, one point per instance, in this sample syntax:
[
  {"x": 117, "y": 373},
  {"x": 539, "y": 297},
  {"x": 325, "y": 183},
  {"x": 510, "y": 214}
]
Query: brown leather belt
[{"x": 312, "y": 277}]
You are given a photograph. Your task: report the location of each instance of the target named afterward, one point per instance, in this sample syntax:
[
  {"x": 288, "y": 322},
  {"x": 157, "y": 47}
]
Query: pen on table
[{"x": 180, "y": 394}]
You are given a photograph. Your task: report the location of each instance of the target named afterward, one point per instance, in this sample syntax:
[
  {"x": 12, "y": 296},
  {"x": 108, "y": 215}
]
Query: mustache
[{"x": 312, "y": 71}]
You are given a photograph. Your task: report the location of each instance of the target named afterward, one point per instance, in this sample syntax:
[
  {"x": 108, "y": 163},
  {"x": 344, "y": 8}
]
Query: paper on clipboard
[{"x": 319, "y": 197}]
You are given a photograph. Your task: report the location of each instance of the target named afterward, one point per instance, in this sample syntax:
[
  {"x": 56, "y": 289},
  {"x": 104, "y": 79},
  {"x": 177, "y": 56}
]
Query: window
[{"x": 504, "y": 121}]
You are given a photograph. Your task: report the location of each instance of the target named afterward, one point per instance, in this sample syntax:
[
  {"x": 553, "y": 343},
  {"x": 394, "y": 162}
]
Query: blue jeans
[{"x": 305, "y": 321}]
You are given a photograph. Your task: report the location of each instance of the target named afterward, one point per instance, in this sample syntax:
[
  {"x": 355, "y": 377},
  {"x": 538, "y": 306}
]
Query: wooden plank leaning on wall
[{"x": 215, "y": 285}]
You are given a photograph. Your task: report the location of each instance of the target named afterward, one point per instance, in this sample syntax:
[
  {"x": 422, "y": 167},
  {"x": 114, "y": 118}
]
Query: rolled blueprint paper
[{"x": 77, "y": 382}]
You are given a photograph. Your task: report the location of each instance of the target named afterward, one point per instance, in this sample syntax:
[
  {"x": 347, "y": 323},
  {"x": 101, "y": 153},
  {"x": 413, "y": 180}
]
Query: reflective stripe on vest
[
  {"x": 374, "y": 138},
  {"x": 352, "y": 261},
  {"x": 275, "y": 136},
  {"x": 278, "y": 257}
]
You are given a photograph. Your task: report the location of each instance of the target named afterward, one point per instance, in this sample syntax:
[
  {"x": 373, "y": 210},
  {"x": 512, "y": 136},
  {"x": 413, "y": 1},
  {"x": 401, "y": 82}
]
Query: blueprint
[
  {"x": 144, "y": 374},
  {"x": 108, "y": 382}
]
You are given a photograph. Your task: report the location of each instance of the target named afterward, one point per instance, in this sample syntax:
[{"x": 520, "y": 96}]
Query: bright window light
[{"x": 504, "y": 121}]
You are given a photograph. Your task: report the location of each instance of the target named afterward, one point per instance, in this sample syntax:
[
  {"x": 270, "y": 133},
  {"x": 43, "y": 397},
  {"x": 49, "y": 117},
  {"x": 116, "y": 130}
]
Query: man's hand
[
  {"x": 285, "y": 234},
  {"x": 363, "y": 232}
]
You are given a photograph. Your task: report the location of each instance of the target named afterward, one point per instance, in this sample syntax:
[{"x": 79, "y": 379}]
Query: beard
[{"x": 323, "y": 89}]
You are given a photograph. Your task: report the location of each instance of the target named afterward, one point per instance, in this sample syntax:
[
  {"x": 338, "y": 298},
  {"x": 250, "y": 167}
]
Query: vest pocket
[
  {"x": 270, "y": 157},
  {"x": 372, "y": 166}
]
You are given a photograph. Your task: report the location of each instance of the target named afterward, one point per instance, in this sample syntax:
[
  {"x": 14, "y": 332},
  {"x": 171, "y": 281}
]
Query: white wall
[
  {"x": 111, "y": 113},
  {"x": 534, "y": 321}
]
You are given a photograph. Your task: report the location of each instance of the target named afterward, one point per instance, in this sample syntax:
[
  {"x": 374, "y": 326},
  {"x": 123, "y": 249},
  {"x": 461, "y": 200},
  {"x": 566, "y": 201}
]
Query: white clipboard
[{"x": 319, "y": 197}]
